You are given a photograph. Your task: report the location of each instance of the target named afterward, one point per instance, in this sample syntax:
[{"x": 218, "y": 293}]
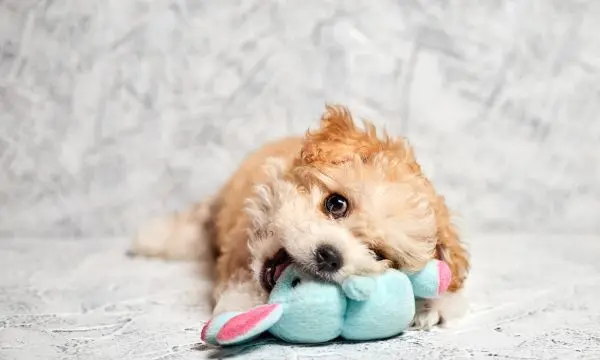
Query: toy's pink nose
[{"x": 445, "y": 276}]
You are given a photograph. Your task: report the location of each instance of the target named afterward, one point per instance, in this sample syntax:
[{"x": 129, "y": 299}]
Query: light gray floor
[{"x": 532, "y": 297}]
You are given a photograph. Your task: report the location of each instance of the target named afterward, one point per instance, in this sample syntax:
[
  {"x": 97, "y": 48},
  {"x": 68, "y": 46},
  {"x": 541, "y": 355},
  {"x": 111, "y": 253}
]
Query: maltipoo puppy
[{"x": 340, "y": 200}]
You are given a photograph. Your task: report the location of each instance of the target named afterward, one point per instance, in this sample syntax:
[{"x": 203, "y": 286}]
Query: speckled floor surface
[{"x": 532, "y": 297}]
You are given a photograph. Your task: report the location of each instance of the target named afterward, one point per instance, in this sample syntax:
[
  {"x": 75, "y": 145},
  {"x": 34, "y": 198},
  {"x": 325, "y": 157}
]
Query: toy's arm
[
  {"x": 358, "y": 288},
  {"x": 432, "y": 281},
  {"x": 235, "y": 327}
]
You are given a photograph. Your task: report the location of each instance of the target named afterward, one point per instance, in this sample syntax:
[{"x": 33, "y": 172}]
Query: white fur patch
[
  {"x": 239, "y": 296},
  {"x": 448, "y": 307}
]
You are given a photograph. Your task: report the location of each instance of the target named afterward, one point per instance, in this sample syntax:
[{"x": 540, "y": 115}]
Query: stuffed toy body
[{"x": 304, "y": 310}]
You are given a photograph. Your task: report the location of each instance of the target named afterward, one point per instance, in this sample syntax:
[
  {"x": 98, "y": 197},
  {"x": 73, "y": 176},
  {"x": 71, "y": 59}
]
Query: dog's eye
[
  {"x": 336, "y": 205},
  {"x": 378, "y": 256},
  {"x": 296, "y": 282}
]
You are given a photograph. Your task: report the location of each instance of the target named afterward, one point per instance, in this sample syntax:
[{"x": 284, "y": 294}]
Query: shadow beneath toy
[{"x": 217, "y": 352}]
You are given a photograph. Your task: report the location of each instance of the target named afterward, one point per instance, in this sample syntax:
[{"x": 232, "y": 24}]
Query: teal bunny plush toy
[{"x": 304, "y": 310}]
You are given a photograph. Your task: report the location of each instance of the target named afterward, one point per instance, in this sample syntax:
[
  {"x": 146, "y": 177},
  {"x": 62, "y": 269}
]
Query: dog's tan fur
[{"x": 275, "y": 200}]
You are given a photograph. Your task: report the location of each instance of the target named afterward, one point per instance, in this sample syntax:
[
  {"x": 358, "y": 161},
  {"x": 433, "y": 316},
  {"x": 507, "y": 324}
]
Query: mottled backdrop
[{"x": 116, "y": 110}]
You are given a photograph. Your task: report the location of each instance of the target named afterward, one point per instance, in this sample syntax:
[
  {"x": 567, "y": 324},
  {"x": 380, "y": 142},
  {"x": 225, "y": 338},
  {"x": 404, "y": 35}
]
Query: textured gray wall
[{"x": 112, "y": 111}]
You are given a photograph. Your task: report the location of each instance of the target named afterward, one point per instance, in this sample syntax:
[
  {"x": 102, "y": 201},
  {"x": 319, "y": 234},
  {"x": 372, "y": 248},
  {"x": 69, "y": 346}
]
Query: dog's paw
[
  {"x": 427, "y": 317},
  {"x": 441, "y": 311}
]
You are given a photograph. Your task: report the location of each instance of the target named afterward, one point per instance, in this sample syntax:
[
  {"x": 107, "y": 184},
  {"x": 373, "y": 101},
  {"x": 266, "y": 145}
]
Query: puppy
[{"x": 339, "y": 201}]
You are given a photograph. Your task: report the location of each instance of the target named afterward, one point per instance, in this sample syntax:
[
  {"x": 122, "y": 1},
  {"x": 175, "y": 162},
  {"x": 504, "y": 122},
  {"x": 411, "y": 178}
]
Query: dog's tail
[{"x": 177, "y": 236}]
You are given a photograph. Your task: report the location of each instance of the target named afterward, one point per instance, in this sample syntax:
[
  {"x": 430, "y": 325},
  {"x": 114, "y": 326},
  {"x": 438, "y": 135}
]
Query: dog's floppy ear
[{"x": 449, "y": 247}]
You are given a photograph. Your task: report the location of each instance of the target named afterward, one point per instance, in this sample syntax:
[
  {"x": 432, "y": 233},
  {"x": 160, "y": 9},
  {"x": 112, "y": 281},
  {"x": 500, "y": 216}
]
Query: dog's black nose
[{"x": 328, "y": 258}]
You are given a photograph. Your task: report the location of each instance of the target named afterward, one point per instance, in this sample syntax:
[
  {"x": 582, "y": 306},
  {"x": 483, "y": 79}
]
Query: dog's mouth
[{"x": 273, "y": 268}]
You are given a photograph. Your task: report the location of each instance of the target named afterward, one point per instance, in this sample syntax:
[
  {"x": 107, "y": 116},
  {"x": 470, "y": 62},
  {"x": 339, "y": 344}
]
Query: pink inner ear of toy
[
  {"x": 204, "y": 331},
  {"x": 445, "y": 275},
  {"x": 243, "y": 323}
]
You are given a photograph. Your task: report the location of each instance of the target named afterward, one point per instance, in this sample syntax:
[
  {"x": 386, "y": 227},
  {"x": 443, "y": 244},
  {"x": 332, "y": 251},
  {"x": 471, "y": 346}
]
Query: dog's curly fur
[{"x": 275, "y": 200}]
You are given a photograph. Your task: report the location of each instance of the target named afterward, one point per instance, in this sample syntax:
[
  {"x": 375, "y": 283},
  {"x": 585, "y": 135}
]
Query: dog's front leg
[{"x": 240, "y": 292}]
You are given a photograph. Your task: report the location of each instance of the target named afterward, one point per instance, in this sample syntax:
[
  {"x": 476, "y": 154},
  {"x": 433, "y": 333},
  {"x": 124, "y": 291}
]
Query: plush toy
[{"x": 304, "y": 310}]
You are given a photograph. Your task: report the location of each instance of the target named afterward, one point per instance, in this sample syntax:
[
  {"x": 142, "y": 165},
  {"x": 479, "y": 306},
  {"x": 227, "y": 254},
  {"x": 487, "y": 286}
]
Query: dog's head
[{"x": 350, "y": 203}]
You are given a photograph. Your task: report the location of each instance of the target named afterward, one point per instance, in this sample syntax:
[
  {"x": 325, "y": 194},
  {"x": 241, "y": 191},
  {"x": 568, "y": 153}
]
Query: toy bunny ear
[
  {"x": 432, "y": 281},
  {"x": 250, "y": 324},
  {"x": 212, "y": 328}
]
